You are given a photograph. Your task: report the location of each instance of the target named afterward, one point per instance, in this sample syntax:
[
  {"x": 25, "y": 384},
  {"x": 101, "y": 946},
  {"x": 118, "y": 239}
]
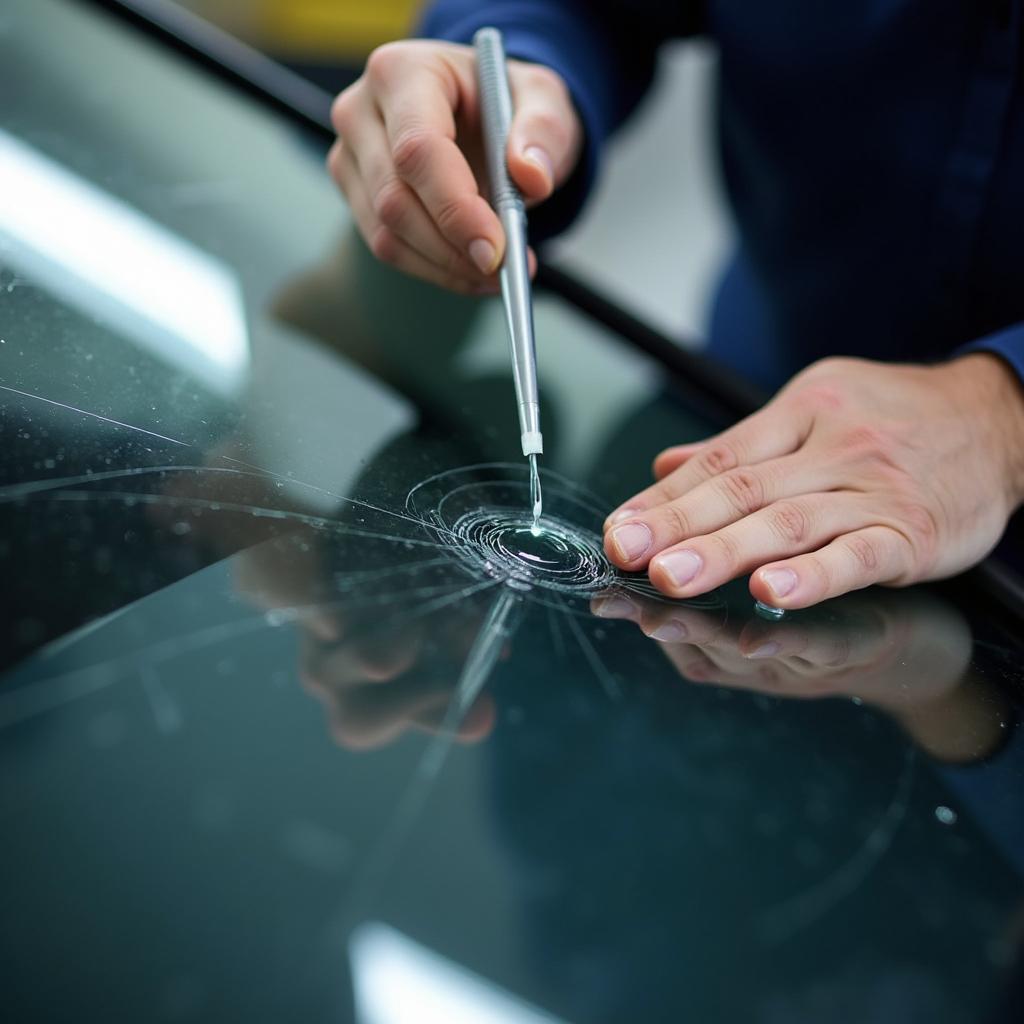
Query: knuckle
[
  {"x": 823, "y": 396},
  {"x": 791, "y": 522},
  {"x": 676, "y": 520},
  {"x": 815, "y": 568},
  {"x": 864, "y": 553},
  {"x": 661, "y": 493},
  {"x": 922, "y": 530},
  {"x": 829, "y": 368},
  {"x": 411, "y": 151},
  {"x": 384, "y": 244},
  {"x": 391, "y": 203},
  {"x": 834, "y": 364},
  {"x": 341, "y": 111},
  {"x": 821, "y": 386},
  {"x": 718, "y": 459},
  {"x": 743, "y": 489},
  {"x": 863, "y": 440},
  {"x": 382, "y": 62},
  {"x": 921, "y": 520},
  {"x": 874, "y": 449},
  {"x": 448, "y": 215},
  {"x": 726, "y": 551}
]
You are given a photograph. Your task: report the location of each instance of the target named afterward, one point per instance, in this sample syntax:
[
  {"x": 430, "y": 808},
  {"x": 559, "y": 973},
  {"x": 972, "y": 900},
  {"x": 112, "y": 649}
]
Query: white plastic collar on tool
[{"x": 533, "y": 443}]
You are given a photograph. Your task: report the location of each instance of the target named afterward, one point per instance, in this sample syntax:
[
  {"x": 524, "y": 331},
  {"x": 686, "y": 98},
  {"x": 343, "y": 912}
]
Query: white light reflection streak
[
  {"x": 396, "y": 980},
  {"x": 494, "y": 632},
  {"x": 120, "y": 267}
]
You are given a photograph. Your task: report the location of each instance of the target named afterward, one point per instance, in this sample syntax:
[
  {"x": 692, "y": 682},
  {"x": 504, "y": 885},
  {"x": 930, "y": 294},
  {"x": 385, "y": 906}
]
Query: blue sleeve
[
  {"x": 1008, "y": 343},
  {"x": 605, "y": 51}
]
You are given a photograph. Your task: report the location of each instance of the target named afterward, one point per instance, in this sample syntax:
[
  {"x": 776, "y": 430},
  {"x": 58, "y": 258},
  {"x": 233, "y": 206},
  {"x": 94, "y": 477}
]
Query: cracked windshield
[{"x": 308, "y": 715}]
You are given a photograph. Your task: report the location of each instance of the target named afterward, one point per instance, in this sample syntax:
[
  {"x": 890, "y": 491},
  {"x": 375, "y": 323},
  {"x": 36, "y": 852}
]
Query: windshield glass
[{"x": 300, "y": 717}]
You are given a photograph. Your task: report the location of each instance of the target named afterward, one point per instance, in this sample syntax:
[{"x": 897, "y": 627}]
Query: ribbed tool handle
[{"x": 496, "y": 115}]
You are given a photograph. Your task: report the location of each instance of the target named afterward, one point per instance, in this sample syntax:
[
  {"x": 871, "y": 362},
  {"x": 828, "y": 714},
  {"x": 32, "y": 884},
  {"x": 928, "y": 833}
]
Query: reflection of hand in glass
[
  {"x": 377, "y": 668},
  {"x": 374, "y": 690},
  {"x": 906, "y": 653}
]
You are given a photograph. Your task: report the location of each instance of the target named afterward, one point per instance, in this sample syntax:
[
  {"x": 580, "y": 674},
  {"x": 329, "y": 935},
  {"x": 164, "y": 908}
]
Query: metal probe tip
[{"x": 536, "y": 499}]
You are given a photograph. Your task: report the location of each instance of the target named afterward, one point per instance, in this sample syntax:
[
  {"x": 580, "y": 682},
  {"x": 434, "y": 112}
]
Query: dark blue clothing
[{"x": 873, "y": 153}]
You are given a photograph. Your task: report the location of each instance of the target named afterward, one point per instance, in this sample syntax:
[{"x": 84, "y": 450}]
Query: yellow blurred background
[{"x": 311, "y": 31}]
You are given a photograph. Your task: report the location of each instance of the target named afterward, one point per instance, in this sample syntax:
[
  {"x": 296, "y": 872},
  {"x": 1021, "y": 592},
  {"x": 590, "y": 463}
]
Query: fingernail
[
  {"x": 780, "y": 581},
  {"x": 680, "y": 566},
  {"x": 671, "y": 632},
  {"x": 482, "y": 253},
  {"x": 615, "y": 607},
  {"x": 537, "y": 156},
  {"x": 623, "y": 513},
  {"x": 631, "y": 540},
  {"x": 767, "y": 650}
]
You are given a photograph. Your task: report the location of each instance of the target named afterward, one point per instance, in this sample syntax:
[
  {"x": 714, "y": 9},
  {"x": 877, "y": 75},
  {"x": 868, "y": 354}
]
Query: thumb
[{"x": 546, "y": 136}]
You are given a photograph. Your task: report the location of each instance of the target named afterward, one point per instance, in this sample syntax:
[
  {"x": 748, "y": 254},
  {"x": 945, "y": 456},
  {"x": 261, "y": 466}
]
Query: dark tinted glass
[{"x": 299, "y": 722}]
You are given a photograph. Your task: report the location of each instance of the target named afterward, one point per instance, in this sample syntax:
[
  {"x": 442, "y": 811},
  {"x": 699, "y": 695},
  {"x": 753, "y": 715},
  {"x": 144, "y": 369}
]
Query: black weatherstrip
[{"x": 228, "y": 58}]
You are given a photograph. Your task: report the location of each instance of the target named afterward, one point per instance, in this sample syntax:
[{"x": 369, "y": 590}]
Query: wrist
[{"x": 991, "y": 393}]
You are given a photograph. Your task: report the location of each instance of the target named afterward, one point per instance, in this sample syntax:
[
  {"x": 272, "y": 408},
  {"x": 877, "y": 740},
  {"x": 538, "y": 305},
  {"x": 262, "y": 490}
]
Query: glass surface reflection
[
  {"x": 198, "y": 578},
  {"x": 906, "y": 653}
]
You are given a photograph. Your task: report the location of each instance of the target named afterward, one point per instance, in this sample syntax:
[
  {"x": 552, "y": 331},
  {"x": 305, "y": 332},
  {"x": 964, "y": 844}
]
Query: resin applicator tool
[{"x": 496, "y": 119}]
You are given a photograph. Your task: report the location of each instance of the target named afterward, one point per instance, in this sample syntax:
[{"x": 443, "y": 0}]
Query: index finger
[
  {"x": 420, "y": 126},
  {"x": 772, "y": 432}
]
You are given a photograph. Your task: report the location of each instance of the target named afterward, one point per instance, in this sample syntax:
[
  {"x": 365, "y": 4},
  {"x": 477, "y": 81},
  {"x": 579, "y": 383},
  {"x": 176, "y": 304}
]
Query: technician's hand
[
  {"x": 855, "y": 473},
  {"x": 409, "y": 158}
]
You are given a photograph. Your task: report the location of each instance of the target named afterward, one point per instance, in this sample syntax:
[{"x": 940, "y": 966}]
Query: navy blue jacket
[{"x": 873, "y": 153}]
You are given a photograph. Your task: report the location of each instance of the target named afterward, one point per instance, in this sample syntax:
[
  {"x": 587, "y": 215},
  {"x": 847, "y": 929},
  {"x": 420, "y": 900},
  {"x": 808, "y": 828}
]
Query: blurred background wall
[{"x": 656, "y": 231}]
